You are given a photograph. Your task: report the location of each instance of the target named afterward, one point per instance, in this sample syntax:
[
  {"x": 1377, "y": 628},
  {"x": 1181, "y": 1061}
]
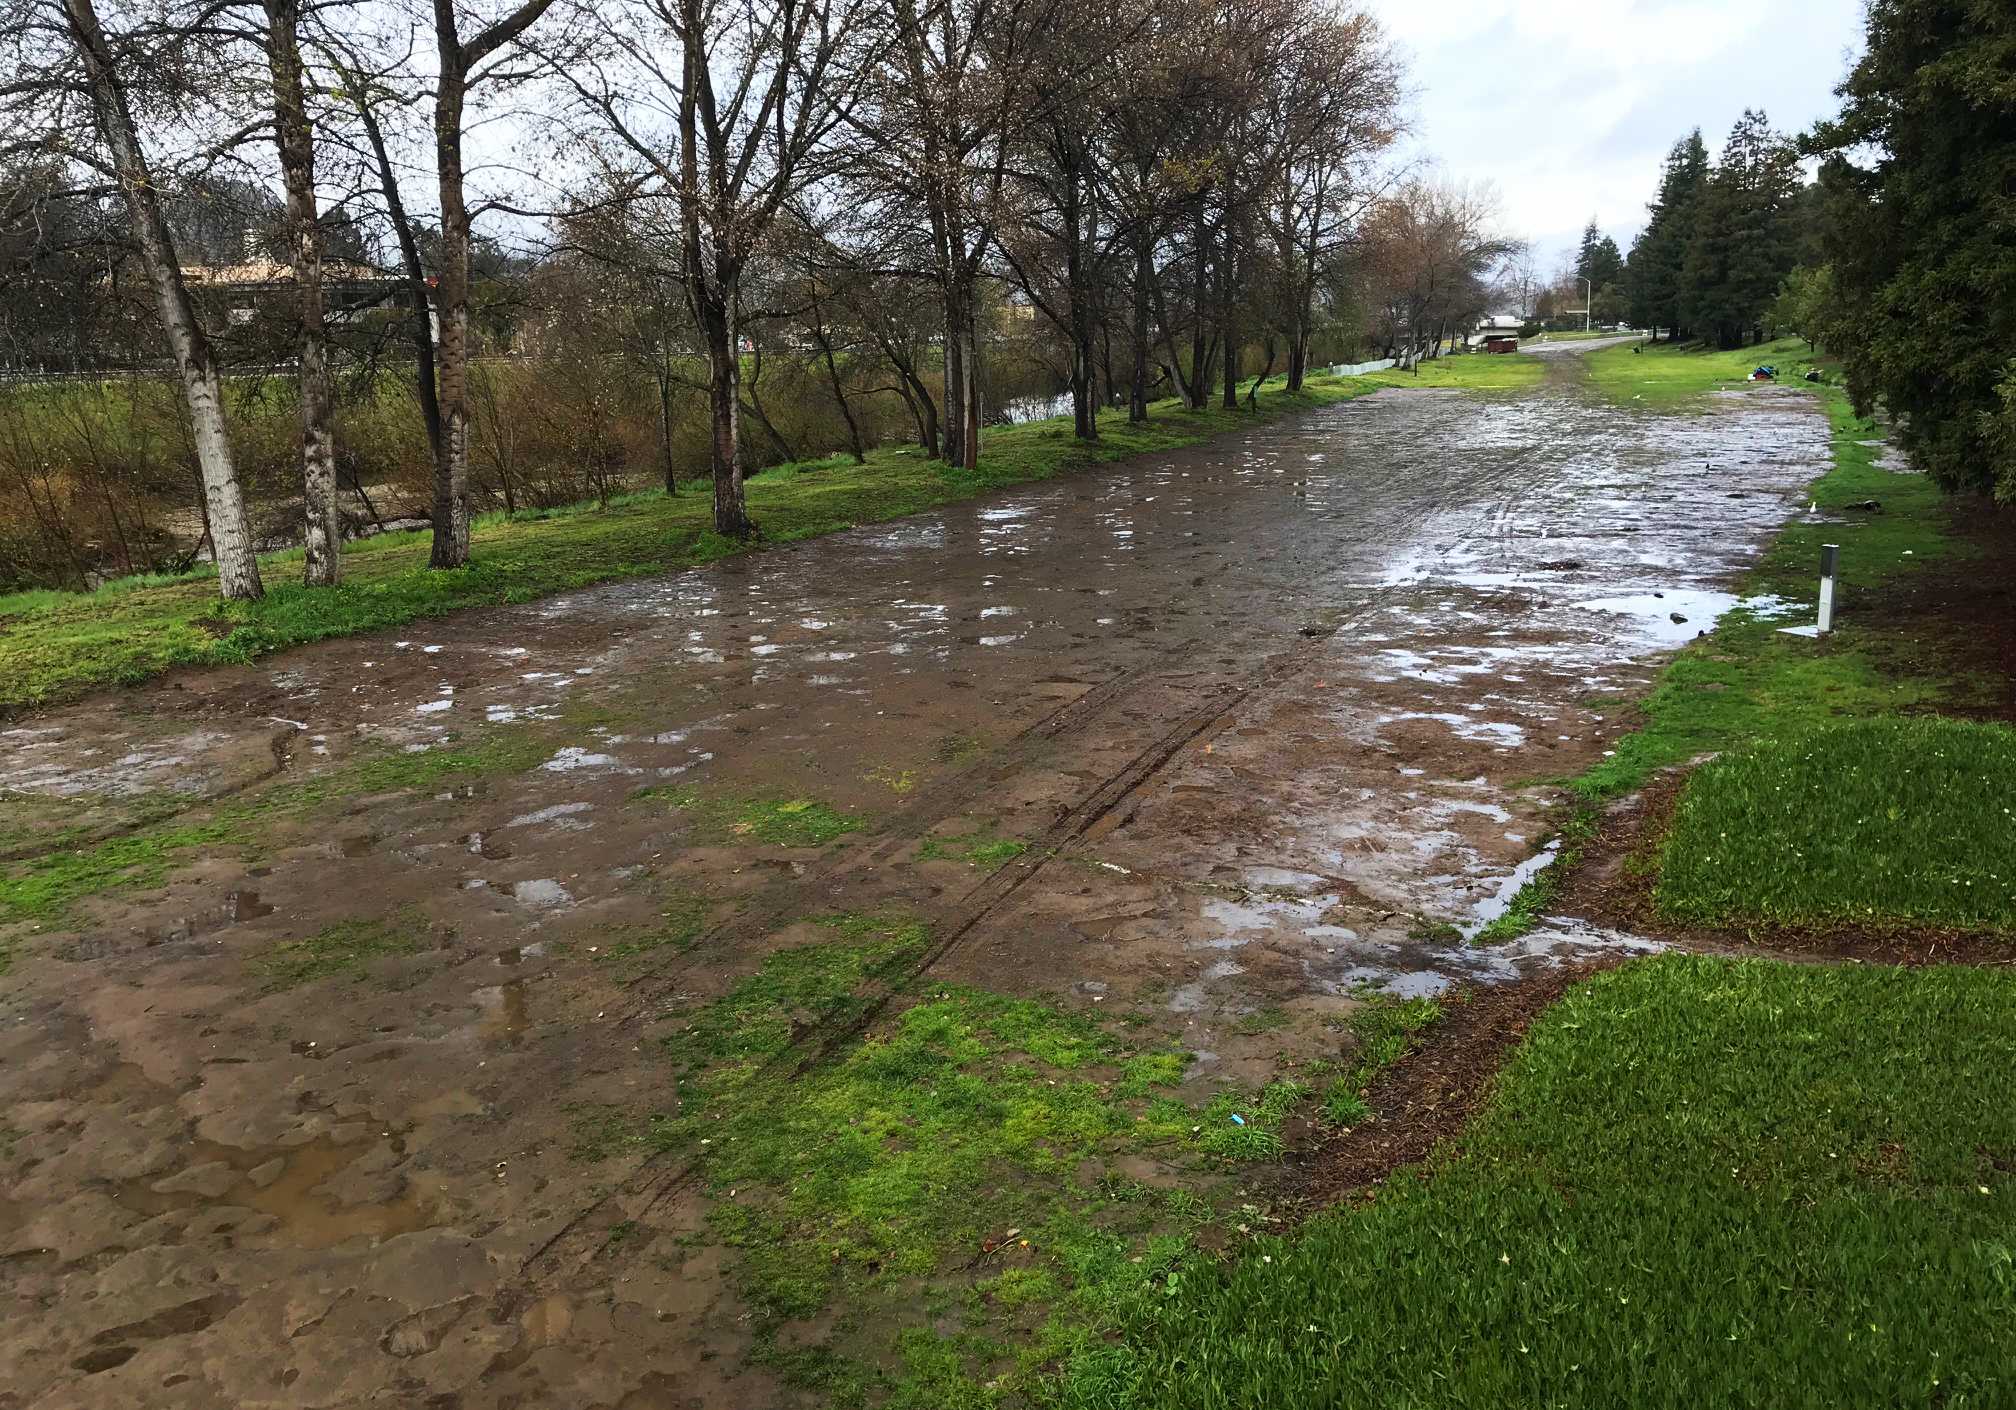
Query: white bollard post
[{"x": 1829, "y": 553}]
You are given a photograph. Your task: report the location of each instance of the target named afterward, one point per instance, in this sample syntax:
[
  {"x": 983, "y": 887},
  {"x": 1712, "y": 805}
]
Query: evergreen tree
[
  {"x": 1652, "y": 277},
  {"x": 1922, "y": 233},
  {"x": 1598, "y": 261},
  {"x": 1741, "y": 248}
]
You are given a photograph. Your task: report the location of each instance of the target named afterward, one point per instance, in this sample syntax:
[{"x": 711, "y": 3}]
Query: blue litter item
[{"x": 1237, "y": 1119}]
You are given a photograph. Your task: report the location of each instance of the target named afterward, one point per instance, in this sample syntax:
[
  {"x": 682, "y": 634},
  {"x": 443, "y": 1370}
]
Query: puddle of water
[
  {"x": 543, "y": 894},
  {"x": 305, "y": 1219},
  {"x": 554, "y": 814},
  {"x": 1500, "y": 901},
  {"x": 506, "y": 1014},
  {"x": 240, "y": 906},
  {"x": 482, "y": 844}
]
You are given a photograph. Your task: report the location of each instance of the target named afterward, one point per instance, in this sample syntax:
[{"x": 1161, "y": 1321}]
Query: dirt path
[{"x": 293, "y": 1126}]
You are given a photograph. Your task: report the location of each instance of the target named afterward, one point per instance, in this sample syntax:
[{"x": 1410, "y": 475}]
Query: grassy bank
[
  {"x": 1700, "y": 1182},
  {"x": 1829, "y": 805},
  {"x": 57, "y": 645}
]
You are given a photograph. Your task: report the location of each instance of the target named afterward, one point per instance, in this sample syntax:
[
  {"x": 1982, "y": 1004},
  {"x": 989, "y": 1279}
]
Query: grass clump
[
  {"x": 1886, "y": 821},
  {"x": 955, "y": 1135},
  {"x": 1669, "y": 375},
  {"x": 1245, "y": 1125},
  {"x": 345, "y": 949},
  {"x": 1383, "y": 1031},
  {"x": 776, "y": 822},
  {"x": 1470, "y": 371},
  {"x": 961, "y": 1117},
  {"x": 1530, "y": 903},
  {"x": 681, "y": 923},
  {"x": 984, "y": 850},
  {"x": 1699, "y": 1182}
]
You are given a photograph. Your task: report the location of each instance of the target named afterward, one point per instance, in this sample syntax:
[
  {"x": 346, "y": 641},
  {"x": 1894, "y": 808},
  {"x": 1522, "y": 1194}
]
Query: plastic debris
[{"x": 1237, "y": 1119}]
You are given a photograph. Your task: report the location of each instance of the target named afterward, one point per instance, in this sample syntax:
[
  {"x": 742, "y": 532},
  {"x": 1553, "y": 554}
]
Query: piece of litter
[{"x": 1237, "y": 1119}]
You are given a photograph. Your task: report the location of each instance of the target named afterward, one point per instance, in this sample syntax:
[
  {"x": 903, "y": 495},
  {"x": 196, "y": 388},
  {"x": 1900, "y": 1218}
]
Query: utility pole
[{"x": 1588, "y": 303}]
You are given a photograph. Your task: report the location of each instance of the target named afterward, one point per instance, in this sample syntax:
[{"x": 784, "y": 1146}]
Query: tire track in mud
[{"x": 657, "y": 1180}]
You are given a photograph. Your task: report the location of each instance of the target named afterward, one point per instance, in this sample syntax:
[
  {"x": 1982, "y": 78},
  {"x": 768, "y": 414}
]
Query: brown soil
[{"x": 1424, "y": 1100}]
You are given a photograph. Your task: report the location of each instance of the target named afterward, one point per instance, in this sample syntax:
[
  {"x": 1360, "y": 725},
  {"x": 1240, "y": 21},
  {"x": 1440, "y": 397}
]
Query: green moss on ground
[
  {"x": 964, "y": 1130},
  {"x": 776, "y": 822},
  {"x": 985, "y": 850},
  {"x": 343, "y": 950}
]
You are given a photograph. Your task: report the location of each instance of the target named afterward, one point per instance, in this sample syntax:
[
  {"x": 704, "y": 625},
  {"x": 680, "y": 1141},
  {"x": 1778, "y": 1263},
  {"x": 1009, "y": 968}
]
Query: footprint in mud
[{"x": 115, "y": 1346}]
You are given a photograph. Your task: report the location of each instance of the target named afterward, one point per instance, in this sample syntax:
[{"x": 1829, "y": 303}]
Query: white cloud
[{"x": 1568, "y": 107}]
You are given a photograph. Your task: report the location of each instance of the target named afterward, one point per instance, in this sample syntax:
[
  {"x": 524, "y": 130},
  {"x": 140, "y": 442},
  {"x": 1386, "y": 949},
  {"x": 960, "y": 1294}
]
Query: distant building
[
  {"x": 1497, "y": 333},
  {"x": 244, "y": 290}
]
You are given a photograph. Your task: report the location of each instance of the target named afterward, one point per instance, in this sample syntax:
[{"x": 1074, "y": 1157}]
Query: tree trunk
[
  {"x": 724, "y": 404},
  {"x": 196, "y": 367},
  {"x": 451, "y": 458},
  {"x": 833, "y": 379},
  {"x": 955, "y": 380},
  {"x": 419, "y": 327},
  {"x": 1228, "y": 325},
  {"x": 1137, "y": 382},
  {"x": 661, "y": 369},
  {"x": 926, "y": 410},
  {"x": 1200, "y": 381},
  {"x": 323, "y": 538}
]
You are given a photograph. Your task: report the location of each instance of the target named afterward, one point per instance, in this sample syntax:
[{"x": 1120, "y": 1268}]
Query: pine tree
[
  {"x": 1652, "y": 277},
  {"x": 1922, "y": 234},
  {"x": 1741, "y": 247},
  {"x": 1598, "y": 260}
]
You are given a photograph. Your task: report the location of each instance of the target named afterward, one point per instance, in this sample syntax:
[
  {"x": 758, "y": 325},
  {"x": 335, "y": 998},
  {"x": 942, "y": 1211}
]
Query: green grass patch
[
  {"x": 776, "y": 822},
  {"x": 1698, "y": 1182},
  {"x": 1261, "y": 1020},
  {"x": 1486, "y": 372},
  {"x": 1748, "y": 680},
  {"x": 1885, "y": 821},
  {"x": 985, "y": 850},
  {"x": 969, "y": 1130},
  {"x": 1661, "y": 375},
  {"x": 57, "y": 645},
  {"x": 343, "y": 950},
  {"x": 1429, "y": 930},
  {"x": 1383, "y": 1031},
  {"x": 43, "y": 889},
  {"x": 680, "y": 924}
]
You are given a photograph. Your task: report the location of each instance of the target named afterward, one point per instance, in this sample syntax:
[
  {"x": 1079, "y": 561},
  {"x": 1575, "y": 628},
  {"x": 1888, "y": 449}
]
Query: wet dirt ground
[{"x": 1271, "y": 715}]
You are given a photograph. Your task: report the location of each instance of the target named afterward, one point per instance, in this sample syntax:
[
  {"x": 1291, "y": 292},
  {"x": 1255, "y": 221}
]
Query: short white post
[{"x": 1829, "y": 553}]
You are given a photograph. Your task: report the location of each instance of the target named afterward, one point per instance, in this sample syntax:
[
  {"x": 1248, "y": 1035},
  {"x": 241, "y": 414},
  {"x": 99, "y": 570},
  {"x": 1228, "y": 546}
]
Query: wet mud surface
[{"x": 294, "y": 1123}]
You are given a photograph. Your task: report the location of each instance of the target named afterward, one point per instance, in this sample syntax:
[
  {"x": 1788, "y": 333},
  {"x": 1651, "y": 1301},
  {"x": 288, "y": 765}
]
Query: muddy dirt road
[{"x": 285, "y": 1114}]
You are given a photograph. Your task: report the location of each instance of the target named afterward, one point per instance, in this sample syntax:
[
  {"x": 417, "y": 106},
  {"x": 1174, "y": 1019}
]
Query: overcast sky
[{"x": 1569, "y": 106}]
